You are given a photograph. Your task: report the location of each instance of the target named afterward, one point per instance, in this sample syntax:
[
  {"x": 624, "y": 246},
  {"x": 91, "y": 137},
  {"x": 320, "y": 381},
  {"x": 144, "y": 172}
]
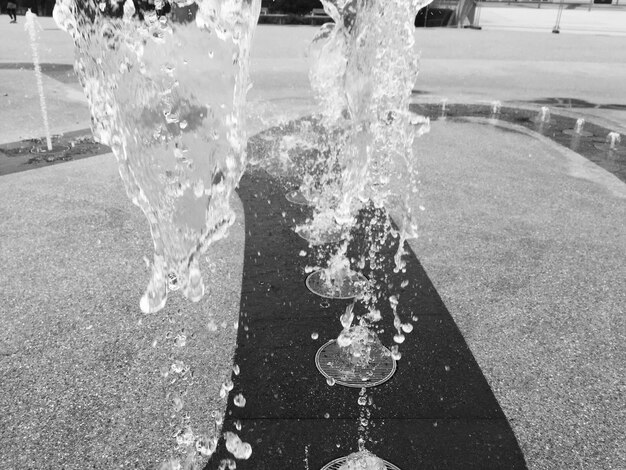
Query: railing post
[{"x": 557, "y": 25}]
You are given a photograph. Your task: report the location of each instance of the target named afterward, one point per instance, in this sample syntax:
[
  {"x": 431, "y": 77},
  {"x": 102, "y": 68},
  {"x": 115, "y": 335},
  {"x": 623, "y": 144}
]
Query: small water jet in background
[
  {"x": 496, "y": 107},
  {"x": 544, "y": 115},
  {"x": 443, "y": 114},
  {"x": 578, "y": 129},
  {"x": 542, "y": 120},
  {"x": 613, "y": 139},
  {"x": 611, "y": 145},
  {"x": 33, "y": 28}
]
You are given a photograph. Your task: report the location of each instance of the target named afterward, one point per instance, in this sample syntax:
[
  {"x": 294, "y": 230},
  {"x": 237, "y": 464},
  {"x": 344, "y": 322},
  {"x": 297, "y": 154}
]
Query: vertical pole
[
  {"x": 477, "y": 14},
  {"x": 556, "y": 29}
]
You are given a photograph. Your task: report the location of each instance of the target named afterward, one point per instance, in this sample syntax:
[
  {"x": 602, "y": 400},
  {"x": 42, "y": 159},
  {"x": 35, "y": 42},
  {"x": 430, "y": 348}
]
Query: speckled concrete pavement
[{"x": 80, "y": 365}]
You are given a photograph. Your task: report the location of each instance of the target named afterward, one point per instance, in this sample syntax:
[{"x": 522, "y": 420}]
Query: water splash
[
  {"x": 613, "y": 139},
  {"x": 363, "y": 459},
  {"x": 168, "y": 94},
  {"x": 33, "y": 27},
  {"x": 240, "y": 450},
  {"x": 496, "y": 107},
  {"x": 580, "y": 124},
  {"x": 363, "y": 69},
  {"x": 443, "y": 114}
]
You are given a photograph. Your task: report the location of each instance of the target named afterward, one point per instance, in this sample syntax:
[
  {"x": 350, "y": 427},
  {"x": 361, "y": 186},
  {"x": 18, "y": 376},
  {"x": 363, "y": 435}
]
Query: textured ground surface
[
  {"x": 524, "y": 242},
  {"x": 79, "y": 363}
]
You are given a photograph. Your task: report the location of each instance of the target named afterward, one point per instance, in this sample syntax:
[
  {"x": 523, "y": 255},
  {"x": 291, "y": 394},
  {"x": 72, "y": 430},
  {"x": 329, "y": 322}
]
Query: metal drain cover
[
  {"x": 43, "y": 149},
  {"x": 353, "y": 286},
  {"x": 332, "y": 365},
  {"x": 337, "y": 463},
  {"x": 296, "y": 197}
]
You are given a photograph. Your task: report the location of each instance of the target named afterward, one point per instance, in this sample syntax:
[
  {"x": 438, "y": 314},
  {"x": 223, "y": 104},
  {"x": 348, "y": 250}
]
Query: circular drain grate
[
  {"x": 337, "y": 463},
  {"x": 353, "y": 286},
  {"x": 332, "y": 365},
  {"x": 43, "y": 149},
  {"x": 296, "y": 197},
  {"x": 58, "y": 152},
  {"x": 573, "y": 133}
]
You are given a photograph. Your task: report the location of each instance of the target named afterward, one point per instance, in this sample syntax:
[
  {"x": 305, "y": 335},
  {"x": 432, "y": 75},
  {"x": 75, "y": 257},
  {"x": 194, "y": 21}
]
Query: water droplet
[
  {"x": 236, "y": 369},
  {"x": 172, "y": 282},
  {"x": 239, "y": 400},
  {"x": 178, "y": 403},
  {"x": 238, "y": 425},
  {"x": 234, "y": 445},
  {"x": 178, "y": 367},
  {"x": 399, "y": 338},
  {"x": 206, "y": 446},
  {"x": 362, "y": 401},
  {"x": 330, "y": 381},
  {"x": 326, "y": 415},
  {"x": 302, "y": 253},
  {"x": 447, "y": 368},
  {"x": 181, "y": 340},
  {"x": 395, "y": 354},
  {"x": 314, "y": 335}
]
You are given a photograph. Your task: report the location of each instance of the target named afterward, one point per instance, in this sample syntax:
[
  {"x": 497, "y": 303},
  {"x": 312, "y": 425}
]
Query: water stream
[
  {"x": 168, "y": 95},
  {"x": 33, "y": 28}
]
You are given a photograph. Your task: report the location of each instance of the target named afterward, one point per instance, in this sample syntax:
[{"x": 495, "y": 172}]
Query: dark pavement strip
[{"x": 436, "y": 412}]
